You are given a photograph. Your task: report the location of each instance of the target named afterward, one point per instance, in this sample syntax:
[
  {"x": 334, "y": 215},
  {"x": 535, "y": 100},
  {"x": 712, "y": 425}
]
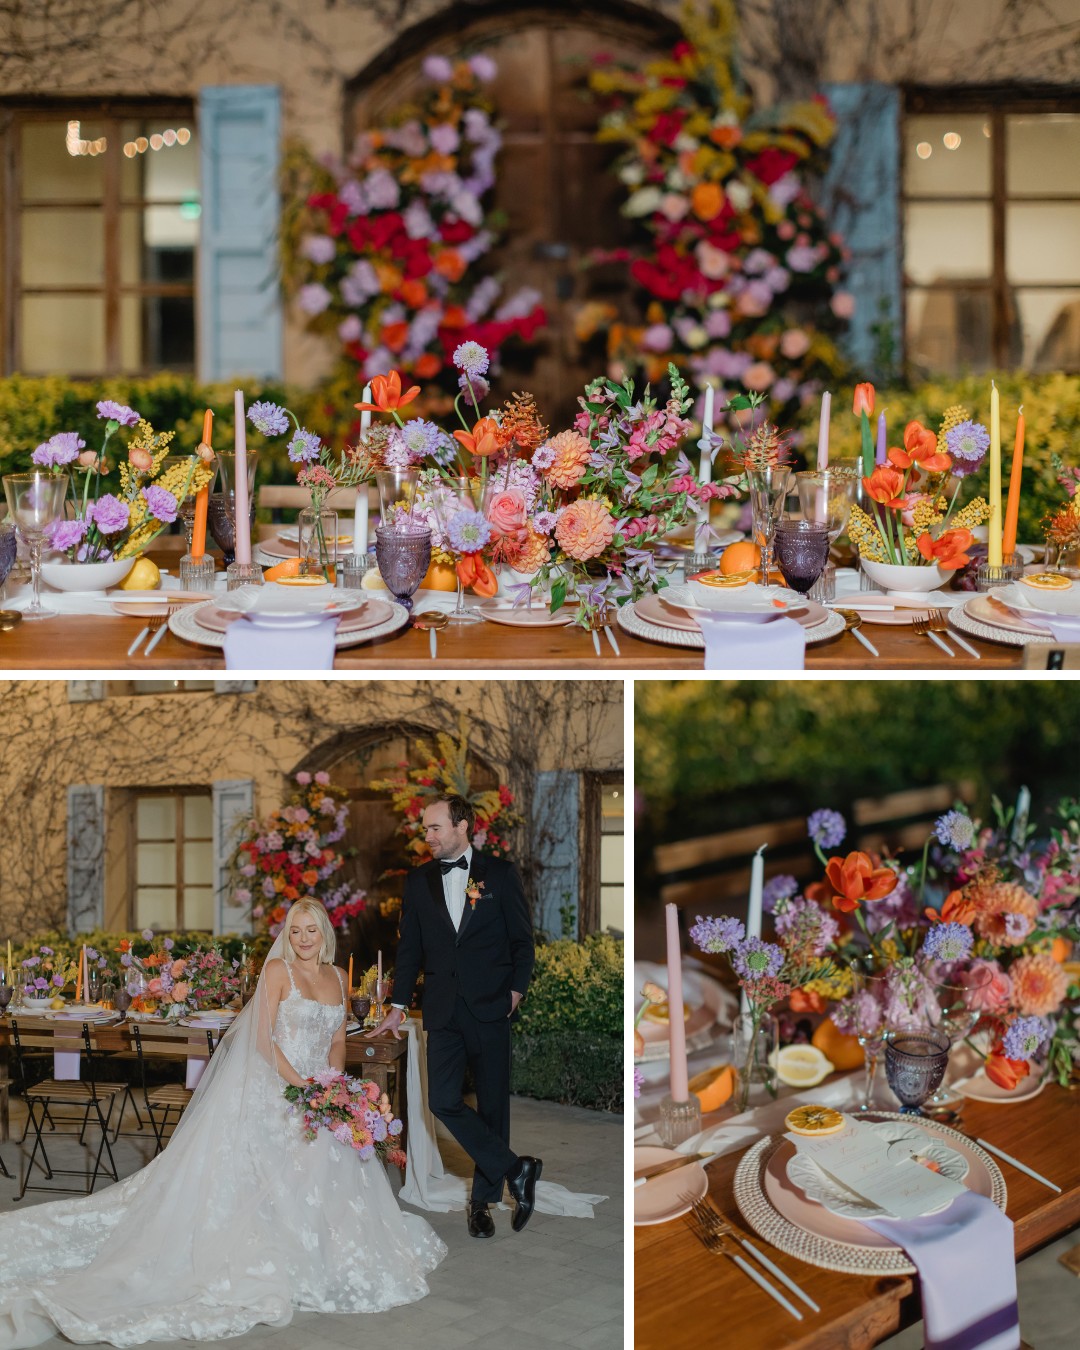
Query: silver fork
[
  {"x": 717, "y": 1245},
  {"x": 716, "y": 1223},
  {"x": 922, "y": 627},
  {"x": 939, "y": 621}
]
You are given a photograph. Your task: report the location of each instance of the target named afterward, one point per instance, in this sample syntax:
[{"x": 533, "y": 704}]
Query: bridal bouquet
[{"x": 354, "y": 1110}]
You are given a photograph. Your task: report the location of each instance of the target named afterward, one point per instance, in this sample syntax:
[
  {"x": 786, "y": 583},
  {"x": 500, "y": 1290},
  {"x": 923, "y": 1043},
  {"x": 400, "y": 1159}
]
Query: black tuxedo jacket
[{"x": 491, "y": 954}]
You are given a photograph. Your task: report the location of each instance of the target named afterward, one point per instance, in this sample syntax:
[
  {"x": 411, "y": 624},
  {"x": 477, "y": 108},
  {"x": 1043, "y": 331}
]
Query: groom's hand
[
  {"x": 515, "y": 999},
  {"x": 390, "y": 1022}
]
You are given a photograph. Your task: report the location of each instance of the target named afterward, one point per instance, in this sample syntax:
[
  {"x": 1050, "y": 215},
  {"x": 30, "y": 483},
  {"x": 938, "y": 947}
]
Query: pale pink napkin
[
  {"x": 779, "y": 644},
  {"x": 967, "y": 1273},
  {"x": 249, "y": 646},
  {"x": 67, "y": 1065}
]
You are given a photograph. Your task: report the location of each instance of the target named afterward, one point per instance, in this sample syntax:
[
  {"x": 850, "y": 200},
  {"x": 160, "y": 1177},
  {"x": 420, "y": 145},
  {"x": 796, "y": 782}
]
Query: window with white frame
[{"x": 173, "y": 863}]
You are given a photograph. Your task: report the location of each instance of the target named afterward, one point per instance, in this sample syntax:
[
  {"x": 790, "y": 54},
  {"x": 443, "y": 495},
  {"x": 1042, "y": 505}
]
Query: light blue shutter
[
  {"x": 234, "y": 803},
  {"x": 85, "y": 857},
  {"x": 862, "y": 201},
  {"x": 240, "y": 324},
  {"x": 556, "y": 815}
]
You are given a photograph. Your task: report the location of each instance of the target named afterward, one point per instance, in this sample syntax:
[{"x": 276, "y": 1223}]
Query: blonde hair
[{"x": 317, "y": 910}]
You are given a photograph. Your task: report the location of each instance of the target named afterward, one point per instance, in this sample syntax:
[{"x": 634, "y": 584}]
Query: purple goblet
[
  {"x": 404, "y": 556},
  {"x": 802, "y": 550},
  {"x": 222, "y": 518}
]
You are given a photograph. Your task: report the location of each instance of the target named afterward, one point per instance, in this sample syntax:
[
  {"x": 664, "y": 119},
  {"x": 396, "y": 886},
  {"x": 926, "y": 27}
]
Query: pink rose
[
  {"x": 992, "y": 997},
  {"x": 180, "y": 991},
  {"x": 794, "y": 343},
  {"x": 843, "y": 304},
  {"x": 154, "y": 987},
  {"x": 506, "y": 513},
  {"x": 88, "y": 459}
]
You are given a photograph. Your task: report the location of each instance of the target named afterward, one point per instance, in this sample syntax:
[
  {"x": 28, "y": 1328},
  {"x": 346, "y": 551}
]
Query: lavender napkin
[
  {"x": 249, "y": 646},
  {"x": 967, "y": 1273},
  {"x": 779, "y": 644}
]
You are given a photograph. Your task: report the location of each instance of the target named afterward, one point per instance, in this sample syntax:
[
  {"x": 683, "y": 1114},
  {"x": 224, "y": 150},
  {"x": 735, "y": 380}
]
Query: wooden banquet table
[
  {"x": 683, "y": 1294},
  {"x": 93, "y": 642}
]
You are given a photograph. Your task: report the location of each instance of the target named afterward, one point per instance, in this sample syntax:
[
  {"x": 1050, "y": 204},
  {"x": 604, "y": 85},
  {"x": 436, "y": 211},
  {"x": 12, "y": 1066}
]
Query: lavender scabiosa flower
[
  {"x": 469, "y": 531},
  {"x": 1024, "y": 1039},
  {"x": 117, "y": 412},
  {"x": 471, "y": 359},
  {"x": 304, "y": 446},
  {"x": 948, "y": 942},
  {"x": 161, "y": 504},
  {"x": 955, "y": 830},
  {"x": 967, "y": 443},
  {"x": 776, "y": 891},
  {"x": 268, "y": 418},
  {"x": 479, "y": 386},
  {"x": 421, "y": 438},
  {"x": 58, "y": 450},
  {"x": 754, "y": 959},
  {"x": 717, "y": 935},
  {"x": 826, "y": 828}
]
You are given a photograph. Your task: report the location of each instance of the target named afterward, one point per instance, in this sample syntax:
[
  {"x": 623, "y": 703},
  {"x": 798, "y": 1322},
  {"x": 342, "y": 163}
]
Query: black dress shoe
[
  {"x": 523, "y": 1188},
  {"x": 480, "y": 1224}
]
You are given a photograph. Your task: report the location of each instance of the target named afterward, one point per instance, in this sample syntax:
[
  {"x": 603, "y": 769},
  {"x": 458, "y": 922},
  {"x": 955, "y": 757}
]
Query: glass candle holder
[
  {"x": 242, "y": 574},
  {"x": 197, "y": 574},
  {"x": 1011, "y": 569},
  {"x": 678, "y": 1120},
  {"x": 351, "y": 570}
]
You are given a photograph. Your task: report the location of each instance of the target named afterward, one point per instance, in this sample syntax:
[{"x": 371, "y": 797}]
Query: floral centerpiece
[
  {"x": 912, "y": 521},
  {"x": 47, "y": 971},
  {"x": 383, "y": 253},
  {"x": 123, "y": 524},
  {"x": 446, "y": 772},
  {"x": 354, "y": 1110},
  {"x": 1062, "y": 526},
  {"x": 289, "y": 855},
  {"x": 177, "y": 984},
  {"x": 736, "y": 254}
]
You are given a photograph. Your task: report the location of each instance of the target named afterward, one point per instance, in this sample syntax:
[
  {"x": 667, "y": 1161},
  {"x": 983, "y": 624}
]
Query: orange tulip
[
  {"x": 948, "y": 551},
  {"x": 956, "y": 909},
  {"x": 473, "y": 571},
  {"x": 855, "y": 879},
  {"x": 485, "y": 438},
  {"x": 387, "y": 395},
  {"x": 413, "y": 292},
  {"x": 863, "y": 401},
  {"x": 920, "y": 447},
  {"x": 428, "y": 365},
  {"x": 805, "y": 1000},
  {"x": 1006, "y": 1073},
  {"x": 885, "y": 485},
  {"x": 395, "y": 335}
]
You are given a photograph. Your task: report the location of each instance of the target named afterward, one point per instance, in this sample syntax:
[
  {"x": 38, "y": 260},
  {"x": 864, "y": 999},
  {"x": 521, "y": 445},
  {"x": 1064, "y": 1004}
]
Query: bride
[{"x": 241, "y": 1219}]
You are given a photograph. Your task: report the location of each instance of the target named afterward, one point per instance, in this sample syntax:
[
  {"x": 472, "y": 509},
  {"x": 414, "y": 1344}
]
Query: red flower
[
  {"x": 1006, "y": 1073},
  {"x": 855, "y": 880},
  {"x": 948, "y": 551},
  {"x": 771, "y": 164},
  {"x": 863, "y": 402}
]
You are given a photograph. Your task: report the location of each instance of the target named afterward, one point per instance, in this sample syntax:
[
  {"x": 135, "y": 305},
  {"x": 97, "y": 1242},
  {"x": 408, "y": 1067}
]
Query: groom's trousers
[{"x": 484, "y": 1134}]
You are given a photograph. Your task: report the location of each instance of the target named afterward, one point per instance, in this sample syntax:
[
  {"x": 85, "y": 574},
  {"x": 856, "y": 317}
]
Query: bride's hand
[{"x": 390, "y": 1022}]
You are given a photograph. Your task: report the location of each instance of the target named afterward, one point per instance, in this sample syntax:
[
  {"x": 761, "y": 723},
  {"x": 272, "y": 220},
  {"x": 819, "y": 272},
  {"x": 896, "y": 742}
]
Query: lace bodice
[{"x": 304, "y": 1029}]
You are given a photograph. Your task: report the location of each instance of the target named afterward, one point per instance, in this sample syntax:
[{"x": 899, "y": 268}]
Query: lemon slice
[
  {"x": 372, "y": 581},
  {"x": 814, "y": 1120},
  {"x": 801, "y": 1065},
  {"x": 1047, "y": 581},
  {"x": 658, "y": 1012}
]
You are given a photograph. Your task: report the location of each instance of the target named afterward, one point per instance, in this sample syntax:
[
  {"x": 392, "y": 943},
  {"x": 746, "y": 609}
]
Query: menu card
[{"x": 858, "y": 1158}]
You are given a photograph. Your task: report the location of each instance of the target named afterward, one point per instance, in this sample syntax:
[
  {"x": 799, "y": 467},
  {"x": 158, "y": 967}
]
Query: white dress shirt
[{"x": 454, "y": 883}]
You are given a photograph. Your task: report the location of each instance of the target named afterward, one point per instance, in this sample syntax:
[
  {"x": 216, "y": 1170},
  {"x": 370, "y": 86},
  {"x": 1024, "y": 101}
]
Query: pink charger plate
[
  {"x": 789, "y": 1201},
  {"x": 655, "y": 609},
  {"x": 980, "y": 609},
  {"x": 368, "y": 615}
]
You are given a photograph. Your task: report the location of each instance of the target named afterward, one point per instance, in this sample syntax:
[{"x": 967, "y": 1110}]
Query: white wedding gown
[{"x": 238, "y": 1222}]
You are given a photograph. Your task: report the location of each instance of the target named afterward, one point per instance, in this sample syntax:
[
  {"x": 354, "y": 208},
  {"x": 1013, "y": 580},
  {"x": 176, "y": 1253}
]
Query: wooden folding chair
[
  {"x": 88, "y": 1095},
  {"x": 160, "y": 1102}
]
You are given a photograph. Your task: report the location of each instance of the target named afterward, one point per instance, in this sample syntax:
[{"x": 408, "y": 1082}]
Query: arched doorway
[
  {"x": 553, "y": 187},
  {"x": 376, "y": 857}
]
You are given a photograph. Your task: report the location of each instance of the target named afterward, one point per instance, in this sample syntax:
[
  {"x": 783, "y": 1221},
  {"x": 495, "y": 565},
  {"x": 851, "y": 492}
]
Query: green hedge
[{"x": 573, "y": 1067}]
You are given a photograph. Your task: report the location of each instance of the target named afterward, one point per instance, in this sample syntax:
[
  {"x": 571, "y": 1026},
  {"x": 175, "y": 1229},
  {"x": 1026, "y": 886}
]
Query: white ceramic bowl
[
  {"x": 896, "y": 577},
  {"x": 93, "y": 576}
]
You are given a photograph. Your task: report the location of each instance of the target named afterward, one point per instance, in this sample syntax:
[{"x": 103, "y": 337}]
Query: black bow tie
[{"x": 461, "y": 862}]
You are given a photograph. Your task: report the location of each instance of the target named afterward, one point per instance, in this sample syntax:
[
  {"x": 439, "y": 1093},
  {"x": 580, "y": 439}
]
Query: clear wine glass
[
  {"x": 35, "y": 500},
  {"x": 868, "y": 1003},
  {"x": 769, "y": 488},
  {"x": 9, "y": 548},
  {"x": 802, "y": 551},
  {"x": 187, "y": 506},
  {"x": 449, "y": 497},
  {"x": 957, "y": 994}
]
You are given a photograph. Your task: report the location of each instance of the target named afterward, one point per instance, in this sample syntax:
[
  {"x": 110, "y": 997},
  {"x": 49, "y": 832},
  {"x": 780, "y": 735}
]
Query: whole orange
[
  {"x": 844, "y": 1051},
  {"x": 742, "y": 556}
]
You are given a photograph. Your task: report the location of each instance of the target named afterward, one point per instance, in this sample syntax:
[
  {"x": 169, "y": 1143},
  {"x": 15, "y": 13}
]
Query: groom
[{"x": 464, "y": 921}]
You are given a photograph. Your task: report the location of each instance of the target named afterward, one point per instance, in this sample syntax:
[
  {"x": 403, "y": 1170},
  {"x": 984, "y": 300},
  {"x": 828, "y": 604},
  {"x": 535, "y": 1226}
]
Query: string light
[
  {"x": 77, "y": 146},
  {"x": 158, "y": 141},
  {"x": 951, "y": 140},
  {"x": 924, "y": 150}
]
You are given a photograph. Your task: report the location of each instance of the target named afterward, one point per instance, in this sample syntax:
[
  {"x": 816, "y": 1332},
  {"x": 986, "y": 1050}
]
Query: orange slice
[
  {"x": 307, "y": 580},
  {"x": 713, "y": 1087},
  {"x": 814, "y": 1120},
  {"x": 1047, "y": 581},
  {"x": 722, "y": 579},
  {"x": 658, "y": 1012}
]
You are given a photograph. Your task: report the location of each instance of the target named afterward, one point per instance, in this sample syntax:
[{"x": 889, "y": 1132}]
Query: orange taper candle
[
  {"x": 202, "y": 497},
  {"x": 1012, "y": 509}
]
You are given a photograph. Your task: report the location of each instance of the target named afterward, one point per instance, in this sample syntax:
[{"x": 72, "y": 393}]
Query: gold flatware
[
  {"x": 717, "y": 1244},
  {"x": 672, "y": 1165},
  {"x": 157, "y": 627},
  {"x": 718, "y": 1224},
  {"x": 433, "y": 621},
  {"x": 922, "y": 627},
  {"x": 9, "y": 619},
  {"x": 939, "y": 622},
  {"x": 852, "y": 622}
]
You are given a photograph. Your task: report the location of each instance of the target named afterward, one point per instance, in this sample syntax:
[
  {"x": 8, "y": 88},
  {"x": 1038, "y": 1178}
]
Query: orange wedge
[
  {"x": 713, "y": 1087},
  {"x": 289, "y": 568}
]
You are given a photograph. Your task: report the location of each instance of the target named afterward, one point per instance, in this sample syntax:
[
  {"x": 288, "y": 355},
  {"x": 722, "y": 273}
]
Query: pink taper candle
[
  {"x": 823, "y": 432},
  {"x": 243, "y": 487},
  {"x": 680, "y": 1091},
  {"x": 882, "y": 451}
]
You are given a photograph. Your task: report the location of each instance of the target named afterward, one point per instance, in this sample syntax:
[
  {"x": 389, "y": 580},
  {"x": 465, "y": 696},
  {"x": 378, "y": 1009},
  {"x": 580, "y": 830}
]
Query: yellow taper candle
[
  {"x": 78, "y": 976},
  {"x": 993, "y": 555},
  {"x": 1012, "y": 510}
]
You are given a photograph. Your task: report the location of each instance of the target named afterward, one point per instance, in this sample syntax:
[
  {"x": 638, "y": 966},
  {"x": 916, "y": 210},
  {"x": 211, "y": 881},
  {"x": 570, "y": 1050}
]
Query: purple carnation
[
  {"x": 313, "y": 298},
  {"x": 756, "y": 960},
  {"x": 304, "y": 446},
  {"x": 117, "y": 412},
  {"x": 161, "y": 504},
  {"x": 268, "y": 418},
  {"x": 109, "y": 513},
  {"x": 967, "y": 443},
  {"x": 545, "y": 521},
  {"x": 948, "y": 942},
  {"x": 58, "y": 450},
  {"x": 1024, "y": 1039},
  {"x": 826, "y": 828},
  {"x": 717, "y": 935},
  {"x": 318, "y": 248},
  {"x": 65, "y": 534}
]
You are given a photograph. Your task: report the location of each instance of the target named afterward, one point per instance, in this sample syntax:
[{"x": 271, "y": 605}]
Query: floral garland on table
[
  {"x": 176, "y": 986},
  {"x": 447, "y": 773},
  {"x": 383, "y": 252},
  {"x": 909, "y": 522},
  {"x": 106, "y": 525},
  {"x": 738, "y": 254},
  {"x": 288, "y": 856}
]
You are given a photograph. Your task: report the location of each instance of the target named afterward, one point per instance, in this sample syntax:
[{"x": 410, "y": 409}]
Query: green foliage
[
  {"x": 717, "y": 755},
  {"x": 1052, "y": 425},
  {"x": 572, "y": 1067}
]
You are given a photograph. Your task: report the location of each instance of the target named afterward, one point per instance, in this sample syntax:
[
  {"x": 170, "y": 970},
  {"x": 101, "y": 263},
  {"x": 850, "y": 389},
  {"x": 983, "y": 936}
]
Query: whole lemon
[
  {"x": 144, "y": 576},
  {"x": 57, "y": 1004}
]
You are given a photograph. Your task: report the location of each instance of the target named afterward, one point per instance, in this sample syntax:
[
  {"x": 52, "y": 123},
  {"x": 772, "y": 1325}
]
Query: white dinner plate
[
  {"x": 1021, "y": 597},
  {"x": 669, "y": 1196},
  {"x": 745, "y": 604},
  {"x": 981, "y": 1089},
  {"x": 521, "y": 616},
  {"x": 656, "y": 609}
]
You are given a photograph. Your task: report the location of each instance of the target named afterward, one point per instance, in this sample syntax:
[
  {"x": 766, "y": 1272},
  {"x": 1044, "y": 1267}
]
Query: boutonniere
[{"x": 472, "y": 891}]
